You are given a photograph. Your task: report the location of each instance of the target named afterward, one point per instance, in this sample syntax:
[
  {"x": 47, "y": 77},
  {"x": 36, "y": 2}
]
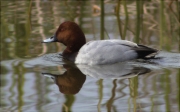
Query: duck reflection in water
[
  {"x": 122, "y": 70},
  {"x": 70, "y": 82}
]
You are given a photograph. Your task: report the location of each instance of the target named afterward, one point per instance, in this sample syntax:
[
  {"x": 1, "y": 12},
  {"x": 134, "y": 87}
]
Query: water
[{"x": 35, "y": 78}]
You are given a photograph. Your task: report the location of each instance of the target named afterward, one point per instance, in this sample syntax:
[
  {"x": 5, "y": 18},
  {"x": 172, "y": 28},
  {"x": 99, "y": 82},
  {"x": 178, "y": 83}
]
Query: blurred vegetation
[{"x": 25, "y": 23}]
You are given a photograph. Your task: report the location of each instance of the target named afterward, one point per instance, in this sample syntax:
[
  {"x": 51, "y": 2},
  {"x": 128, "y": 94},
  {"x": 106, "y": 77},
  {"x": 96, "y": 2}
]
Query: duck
[{"x": 97, "y": 52}]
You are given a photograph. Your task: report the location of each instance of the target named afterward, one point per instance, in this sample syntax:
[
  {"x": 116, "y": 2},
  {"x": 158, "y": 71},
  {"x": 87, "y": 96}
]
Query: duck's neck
[
  {"x": 67, "y": 54},
  {"x": 73, "y": 47}
]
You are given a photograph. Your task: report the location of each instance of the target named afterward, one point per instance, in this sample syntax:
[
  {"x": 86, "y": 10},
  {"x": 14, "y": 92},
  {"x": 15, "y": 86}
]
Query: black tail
[{"x": 145, "y": 52}]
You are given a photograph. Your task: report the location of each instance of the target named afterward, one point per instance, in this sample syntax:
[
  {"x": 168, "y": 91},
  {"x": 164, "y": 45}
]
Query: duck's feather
[
  {"x": 145, "y": 52},
  {"x": 108, "y": 52}
]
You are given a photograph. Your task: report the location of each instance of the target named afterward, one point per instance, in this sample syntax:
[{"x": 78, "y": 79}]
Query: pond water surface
[{"x": 34, "y": 78}]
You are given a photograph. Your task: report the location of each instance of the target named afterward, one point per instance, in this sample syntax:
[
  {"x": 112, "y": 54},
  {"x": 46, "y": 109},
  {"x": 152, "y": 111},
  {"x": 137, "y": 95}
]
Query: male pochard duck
[{"x": 98, "y": 51}]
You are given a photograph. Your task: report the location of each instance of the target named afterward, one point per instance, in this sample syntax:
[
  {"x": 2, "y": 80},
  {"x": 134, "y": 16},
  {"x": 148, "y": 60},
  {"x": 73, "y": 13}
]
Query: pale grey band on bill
[{"x": 51, "y": 39}]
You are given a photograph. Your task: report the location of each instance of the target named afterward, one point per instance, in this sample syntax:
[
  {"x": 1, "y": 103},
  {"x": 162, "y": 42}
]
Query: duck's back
[{"x": 106, "y": 52}]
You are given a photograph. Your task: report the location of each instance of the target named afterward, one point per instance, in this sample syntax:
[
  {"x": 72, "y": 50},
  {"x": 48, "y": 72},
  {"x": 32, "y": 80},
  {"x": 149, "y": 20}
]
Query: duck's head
[{"x": 69, "y": 34}]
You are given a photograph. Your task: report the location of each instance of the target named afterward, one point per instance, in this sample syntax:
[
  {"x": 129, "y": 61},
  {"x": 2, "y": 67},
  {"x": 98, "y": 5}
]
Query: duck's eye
[{"x": 62, "y": 29}]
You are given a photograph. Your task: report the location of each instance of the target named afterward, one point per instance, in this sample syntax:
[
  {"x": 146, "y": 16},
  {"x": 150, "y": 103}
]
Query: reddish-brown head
[{"x": 71, "y": 35}]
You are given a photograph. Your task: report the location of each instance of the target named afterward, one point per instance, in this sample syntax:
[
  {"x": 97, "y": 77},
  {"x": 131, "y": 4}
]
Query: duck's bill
[{"x": 51, "y": 39}]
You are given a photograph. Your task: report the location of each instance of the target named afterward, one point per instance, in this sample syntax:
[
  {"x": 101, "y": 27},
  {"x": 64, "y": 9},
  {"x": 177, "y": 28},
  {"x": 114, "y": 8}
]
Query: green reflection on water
[
  {"x": 20, "y": 72},
  {"x": 178, "y": 92},
  {"x": 100, "y": 83},
  {"x": 109, "y": 104},
  {"x": 167, "y": 89},
  {"x": 133, "y": 86},
  {"x": 155, "y": 91},
  {"x": 40, "y": 95},
  {"x": 68, "y": 103}
]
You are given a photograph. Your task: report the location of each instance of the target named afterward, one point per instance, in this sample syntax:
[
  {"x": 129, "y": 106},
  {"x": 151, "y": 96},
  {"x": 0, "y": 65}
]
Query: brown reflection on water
[{"x": 70, "y": 82}]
